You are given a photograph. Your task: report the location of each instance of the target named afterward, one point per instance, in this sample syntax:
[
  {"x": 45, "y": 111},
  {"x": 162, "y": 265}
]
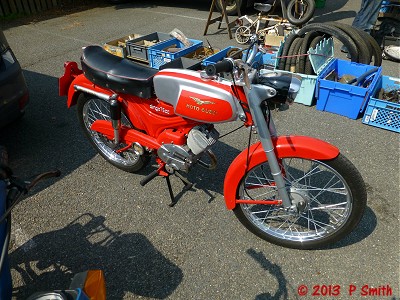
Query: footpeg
[{"x": 149, "y": 178}]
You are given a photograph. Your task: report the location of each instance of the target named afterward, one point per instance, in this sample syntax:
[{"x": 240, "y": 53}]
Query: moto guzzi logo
[
  {"x": 201, "y": 102},
  {"x": 201, "y": 109}
]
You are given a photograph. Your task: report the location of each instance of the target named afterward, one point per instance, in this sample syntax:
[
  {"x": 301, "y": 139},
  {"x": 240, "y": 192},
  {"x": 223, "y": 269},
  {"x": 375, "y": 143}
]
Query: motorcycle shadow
[{"x": 132, "y": 265}]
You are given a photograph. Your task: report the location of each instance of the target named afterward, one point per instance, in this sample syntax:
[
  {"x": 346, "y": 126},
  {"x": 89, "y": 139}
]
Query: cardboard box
[{"x": 118, "y": 46}]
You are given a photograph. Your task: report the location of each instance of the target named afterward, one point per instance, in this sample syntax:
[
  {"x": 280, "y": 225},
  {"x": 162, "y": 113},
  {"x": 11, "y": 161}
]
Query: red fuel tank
[{"x": 208, "y": 101}]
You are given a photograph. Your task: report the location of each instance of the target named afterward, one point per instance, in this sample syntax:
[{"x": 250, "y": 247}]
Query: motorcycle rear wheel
[
  {"x": 333, "y": 193},
  {"x": 90, "y": 109}
]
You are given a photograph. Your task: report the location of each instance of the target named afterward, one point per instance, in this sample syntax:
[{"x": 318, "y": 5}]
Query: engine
[{"x": 182, "y": 157}]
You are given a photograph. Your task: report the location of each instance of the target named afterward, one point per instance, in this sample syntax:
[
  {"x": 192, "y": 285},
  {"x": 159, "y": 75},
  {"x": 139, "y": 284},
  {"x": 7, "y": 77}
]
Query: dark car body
[{"x": 14, "y": 95}]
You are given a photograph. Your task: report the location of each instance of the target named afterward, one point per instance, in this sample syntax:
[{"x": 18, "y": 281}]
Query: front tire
[
  {"x": 332, "y": 194},
  {"x": 89, "y": 110}
]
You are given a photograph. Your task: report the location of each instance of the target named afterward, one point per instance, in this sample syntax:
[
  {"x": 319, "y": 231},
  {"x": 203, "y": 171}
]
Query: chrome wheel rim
[
  {"x": 97, "y": 109},
  {"x": 326, "y": 196}
]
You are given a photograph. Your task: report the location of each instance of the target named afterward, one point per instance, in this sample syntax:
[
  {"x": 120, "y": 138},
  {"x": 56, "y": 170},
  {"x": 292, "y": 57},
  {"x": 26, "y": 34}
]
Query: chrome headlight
[{"x": 286, "y": 84}]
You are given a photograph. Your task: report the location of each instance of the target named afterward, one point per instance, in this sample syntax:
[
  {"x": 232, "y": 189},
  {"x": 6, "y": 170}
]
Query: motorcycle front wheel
[
  {"x": 329, "y": 196},
  {"x": 90, "y": 109}
]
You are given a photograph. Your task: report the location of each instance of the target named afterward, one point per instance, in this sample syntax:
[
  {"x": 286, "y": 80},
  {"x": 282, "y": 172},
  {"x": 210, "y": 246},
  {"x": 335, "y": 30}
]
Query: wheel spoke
[
  {"x": 327, "y": 198},
  {"x": 97, "y": 109}
]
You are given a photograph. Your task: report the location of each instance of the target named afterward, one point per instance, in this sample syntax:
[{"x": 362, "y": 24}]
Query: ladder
[{"x": 221, "y": 17}]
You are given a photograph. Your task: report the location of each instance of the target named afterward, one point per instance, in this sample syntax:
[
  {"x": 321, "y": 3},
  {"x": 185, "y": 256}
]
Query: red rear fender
[
  {"x": 285, "y": 146},
  {"x": 71, "y": 71}
]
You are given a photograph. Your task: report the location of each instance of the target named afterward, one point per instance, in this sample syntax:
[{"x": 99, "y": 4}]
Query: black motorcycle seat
[
  {"x": 116, "y": 73},
  {"x": 263, "y": 7}
]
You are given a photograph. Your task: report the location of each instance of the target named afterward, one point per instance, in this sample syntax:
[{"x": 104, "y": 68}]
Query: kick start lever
[{"x": 149, "y": 178}]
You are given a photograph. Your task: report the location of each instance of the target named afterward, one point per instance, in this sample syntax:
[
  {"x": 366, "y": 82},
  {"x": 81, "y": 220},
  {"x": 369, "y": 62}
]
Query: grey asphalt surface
[{"x": 96, "y": 216}]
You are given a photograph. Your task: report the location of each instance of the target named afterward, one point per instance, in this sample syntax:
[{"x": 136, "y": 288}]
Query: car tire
[{"x": 231, "y": 9}]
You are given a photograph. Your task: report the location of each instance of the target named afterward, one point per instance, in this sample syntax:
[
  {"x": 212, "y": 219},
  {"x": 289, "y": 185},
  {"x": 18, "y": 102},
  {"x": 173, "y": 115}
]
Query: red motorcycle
[{"x": 294, "y": 191}]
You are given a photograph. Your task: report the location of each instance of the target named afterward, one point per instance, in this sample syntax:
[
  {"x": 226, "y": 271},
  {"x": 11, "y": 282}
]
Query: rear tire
[
  {"x": 90, "y": 109},
  {"x": 332, "y": 193}
]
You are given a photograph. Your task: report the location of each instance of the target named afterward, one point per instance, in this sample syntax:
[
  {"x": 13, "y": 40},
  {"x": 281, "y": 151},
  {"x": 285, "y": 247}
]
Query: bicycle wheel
[
  {"x": 243, "y": 34},
  {"x": 300, "y": 12},
  {"x": 330, "y": 197},
  {"x": 89, "y": 110}
]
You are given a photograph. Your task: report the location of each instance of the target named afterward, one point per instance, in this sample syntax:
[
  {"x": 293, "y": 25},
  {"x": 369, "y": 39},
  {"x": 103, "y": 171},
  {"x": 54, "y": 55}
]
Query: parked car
[{"x": 14, "y": 94}]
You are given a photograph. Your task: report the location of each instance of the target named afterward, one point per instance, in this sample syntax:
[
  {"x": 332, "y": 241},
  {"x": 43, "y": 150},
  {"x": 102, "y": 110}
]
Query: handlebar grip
[
  {"x": 149, "y": 177},
  {"x": 223, "y": 66}
]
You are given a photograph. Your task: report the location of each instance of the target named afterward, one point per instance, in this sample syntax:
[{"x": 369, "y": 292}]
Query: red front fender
[{"x": 285, "y": 146}]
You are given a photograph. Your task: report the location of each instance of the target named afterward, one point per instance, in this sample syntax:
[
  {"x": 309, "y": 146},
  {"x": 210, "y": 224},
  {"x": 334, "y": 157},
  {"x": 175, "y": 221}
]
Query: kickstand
[{"x": 188, "y": 186}]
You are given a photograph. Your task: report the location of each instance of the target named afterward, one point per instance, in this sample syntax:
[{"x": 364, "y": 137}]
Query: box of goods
[
  {"x": 220, "y": 55},
  {"x": 320, "y": 56},
  {"x": 345, "y": 87},
  {"x": 262, "y": 60},
  {"x": 118, "y": 46},
  {"x": 183, "y": 63},
  {"x": 202, "y": 53},
  {"x": 169, "y": 50},
  {"x": 383, "y": 109},
  {"x": 138, "y": 48}
]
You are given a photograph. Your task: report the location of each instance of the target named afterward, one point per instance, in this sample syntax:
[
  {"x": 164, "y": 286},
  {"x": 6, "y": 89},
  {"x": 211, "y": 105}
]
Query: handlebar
[{"x": 225, "y": 65}]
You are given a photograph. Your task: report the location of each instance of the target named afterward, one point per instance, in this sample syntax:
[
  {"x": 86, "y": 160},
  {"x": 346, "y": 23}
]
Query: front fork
[
  {"x": 115, "y": 114},
  {"x": 266, "y": 132}
]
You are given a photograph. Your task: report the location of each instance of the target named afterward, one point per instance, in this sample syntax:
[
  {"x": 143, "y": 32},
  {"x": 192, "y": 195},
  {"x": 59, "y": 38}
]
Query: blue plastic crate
[
  {"x": 212, "y": 59},
  {"x": 263, "y": 60},
  {"x": 159, "y": 56},
  {"x": 320, "y": 56},
  {"x": 345, "y": 99},
  {"x": 381, "y": 113}
]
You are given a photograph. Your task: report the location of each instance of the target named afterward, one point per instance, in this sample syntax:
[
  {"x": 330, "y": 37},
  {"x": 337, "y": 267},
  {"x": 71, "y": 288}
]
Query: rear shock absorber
[{"x": 115, "y": 112}]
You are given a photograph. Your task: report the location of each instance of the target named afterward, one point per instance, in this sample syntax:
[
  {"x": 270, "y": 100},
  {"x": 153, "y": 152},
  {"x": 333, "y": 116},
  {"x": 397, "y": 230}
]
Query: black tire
[
  {"x": 330, "y": 30},
  {"x": 308, "y": 69},
  {"x": 376, "y": 51},
  {"x": 363, "y": 47},
  {"x": 292, "y": 54},
  {"x": 305, "y": 46},
  {"x": 307, "y": 9},
  {"x": 334, "y": 200},
  {"x": 231, "y": 9},
  {"x": 90, "y": 109},
  {"x": 285, "y": 50}
]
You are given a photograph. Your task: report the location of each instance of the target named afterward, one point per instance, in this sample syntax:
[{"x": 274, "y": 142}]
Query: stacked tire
[{"x": 361, "y": 47}]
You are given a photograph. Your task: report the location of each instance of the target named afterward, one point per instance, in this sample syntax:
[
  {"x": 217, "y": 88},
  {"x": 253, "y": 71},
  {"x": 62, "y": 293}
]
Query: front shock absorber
[{"x": 115, "y": 112}]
